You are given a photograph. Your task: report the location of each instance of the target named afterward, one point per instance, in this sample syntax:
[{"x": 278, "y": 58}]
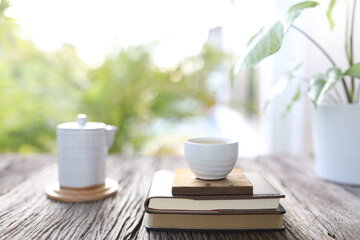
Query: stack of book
[{"x": 177, "y": 200}]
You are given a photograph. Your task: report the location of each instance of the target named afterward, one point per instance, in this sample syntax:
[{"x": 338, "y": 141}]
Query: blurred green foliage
[
  {"x": 39, "y": 90},
  {"x": 130, "y": 91}
]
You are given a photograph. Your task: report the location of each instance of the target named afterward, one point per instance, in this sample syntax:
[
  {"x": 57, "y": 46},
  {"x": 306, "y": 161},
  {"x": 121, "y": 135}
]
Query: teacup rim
[{"x": 227, "y": 141}]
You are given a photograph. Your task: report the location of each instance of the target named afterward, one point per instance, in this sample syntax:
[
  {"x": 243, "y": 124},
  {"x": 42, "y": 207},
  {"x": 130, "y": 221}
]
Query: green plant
[
  {"x": 269, "y": 39},
  {"x": 39, "y": 90},
  {"x": 131, "y": 92}
]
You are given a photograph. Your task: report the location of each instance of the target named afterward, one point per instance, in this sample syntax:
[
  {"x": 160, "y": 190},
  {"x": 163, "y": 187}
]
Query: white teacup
[{"x": 211, "y": 158}]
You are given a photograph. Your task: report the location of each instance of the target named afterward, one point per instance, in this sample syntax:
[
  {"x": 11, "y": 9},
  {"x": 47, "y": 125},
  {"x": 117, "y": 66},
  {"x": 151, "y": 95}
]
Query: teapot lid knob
[{"x": 81, "y": 120}]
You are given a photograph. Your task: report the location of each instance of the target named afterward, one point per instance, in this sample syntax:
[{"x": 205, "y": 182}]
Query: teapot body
[
  {"x": 81, "y": 157},
  {"x": 82, "y": 148}
]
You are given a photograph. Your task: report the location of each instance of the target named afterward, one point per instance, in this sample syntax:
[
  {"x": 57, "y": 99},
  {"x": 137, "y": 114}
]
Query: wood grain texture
[
  {"x": 186, "y": 183},
  {"x": 16, "y": 168},
  {"x": 315, "y": 209}
]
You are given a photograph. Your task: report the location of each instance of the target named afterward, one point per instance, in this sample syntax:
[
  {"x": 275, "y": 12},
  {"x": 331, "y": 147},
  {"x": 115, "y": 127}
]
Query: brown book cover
[
  {"x": 160, "y": 198},
  {"x": 186, "y": 183},
  {"x": 271, "y": 220}
]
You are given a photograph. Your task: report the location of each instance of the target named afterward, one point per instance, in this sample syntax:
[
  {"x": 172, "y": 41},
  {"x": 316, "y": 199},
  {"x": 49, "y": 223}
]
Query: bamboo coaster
[{"x": 55, "y": 192}]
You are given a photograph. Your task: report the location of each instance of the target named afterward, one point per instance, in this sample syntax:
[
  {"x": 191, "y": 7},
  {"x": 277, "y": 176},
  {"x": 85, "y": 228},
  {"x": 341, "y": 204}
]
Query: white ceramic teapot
[{"x": 82, "y": 149}]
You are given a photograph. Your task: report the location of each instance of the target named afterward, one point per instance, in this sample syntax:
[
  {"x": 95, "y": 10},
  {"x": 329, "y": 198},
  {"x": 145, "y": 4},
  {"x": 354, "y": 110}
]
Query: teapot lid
[{"x": 82, "y": 123}]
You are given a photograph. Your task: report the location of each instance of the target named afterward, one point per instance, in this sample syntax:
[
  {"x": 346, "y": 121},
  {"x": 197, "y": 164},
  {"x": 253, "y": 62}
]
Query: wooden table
[{"x": 315, "y": 209}]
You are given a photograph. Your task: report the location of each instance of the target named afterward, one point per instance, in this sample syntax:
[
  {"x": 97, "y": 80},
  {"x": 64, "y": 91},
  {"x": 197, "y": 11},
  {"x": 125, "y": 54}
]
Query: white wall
[{"x": 285, "y": 134}]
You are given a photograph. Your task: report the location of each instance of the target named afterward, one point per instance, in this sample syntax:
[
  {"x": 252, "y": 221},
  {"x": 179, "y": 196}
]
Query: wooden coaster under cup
[
  {"x": 55, "y": 192},
  {"x": 236, "y": 183}
]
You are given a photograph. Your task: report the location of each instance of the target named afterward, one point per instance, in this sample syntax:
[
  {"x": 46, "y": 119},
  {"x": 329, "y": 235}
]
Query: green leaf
[
  {"x": 296, "y": 10},
  {"x": 319, "y": 87},
  {"x": 334, "y": 75},
  {"x": 268, "y": 40},
  {"x": 293, "y": 100},
  {"x": 281, "y": 84},
  {"x": 329, "y": 13},
  {"x": 347, "y": 48},
  {"x": 264, "y": 43},
  {"x": 255, "y": 36},
  {"x": 353, "y": 71},
  {"x": 317, "y": 83}
]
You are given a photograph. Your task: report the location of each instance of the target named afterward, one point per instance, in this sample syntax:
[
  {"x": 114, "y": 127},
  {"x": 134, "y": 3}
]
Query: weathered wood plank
[
  {"x": 14, "y": 168},
  {"x": 26, "y": 213},
  {"x": 315, "y": 209}
]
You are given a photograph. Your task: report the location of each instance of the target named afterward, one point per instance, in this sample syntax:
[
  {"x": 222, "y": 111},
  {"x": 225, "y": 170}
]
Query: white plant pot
[{"x": 337, "y": 143}]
